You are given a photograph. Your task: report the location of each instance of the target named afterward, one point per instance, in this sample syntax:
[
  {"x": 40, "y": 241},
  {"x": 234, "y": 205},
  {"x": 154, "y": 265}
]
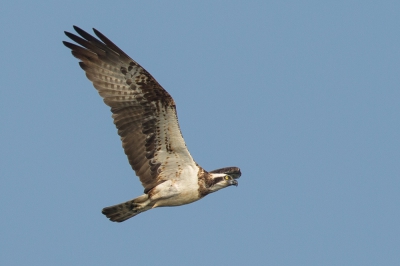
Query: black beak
[{"x": 234, "y": 182}]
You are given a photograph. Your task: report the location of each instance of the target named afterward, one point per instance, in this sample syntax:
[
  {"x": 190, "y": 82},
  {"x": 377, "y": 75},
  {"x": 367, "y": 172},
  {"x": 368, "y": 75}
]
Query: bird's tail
[{"x": 126, "y": 210}]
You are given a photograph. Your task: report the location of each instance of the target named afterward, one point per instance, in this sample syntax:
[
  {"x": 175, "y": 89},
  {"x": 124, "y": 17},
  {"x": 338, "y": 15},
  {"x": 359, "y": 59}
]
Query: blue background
[{"x": 303, "y": 96}]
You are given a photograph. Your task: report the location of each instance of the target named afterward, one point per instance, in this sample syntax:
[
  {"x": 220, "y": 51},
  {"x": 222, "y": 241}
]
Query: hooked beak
[{"x": 234, "y": 182}]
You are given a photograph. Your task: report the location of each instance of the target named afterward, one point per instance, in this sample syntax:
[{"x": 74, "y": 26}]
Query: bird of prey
[{"x": 145, "y": 116}]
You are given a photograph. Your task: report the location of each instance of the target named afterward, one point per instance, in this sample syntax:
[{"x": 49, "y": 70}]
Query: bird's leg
[{"x": 140, "y": 202}]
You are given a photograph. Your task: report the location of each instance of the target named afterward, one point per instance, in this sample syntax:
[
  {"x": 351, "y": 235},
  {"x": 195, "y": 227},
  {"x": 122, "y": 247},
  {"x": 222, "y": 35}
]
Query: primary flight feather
[{"x": 145, "y": 116}]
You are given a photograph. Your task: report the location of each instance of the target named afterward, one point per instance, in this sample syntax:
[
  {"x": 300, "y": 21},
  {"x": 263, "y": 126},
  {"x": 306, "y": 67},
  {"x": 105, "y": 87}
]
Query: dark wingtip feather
[
  {"x": 87, "y": 38},
  {"x": 102, "y": 37},
  {"x": 83, "y": 66},
  {"x": 109, "y": 43},
  {"x": 96, "y": 31},
  {"x": 69, "y": 34},
  {"x": 69, "y": 45},
  {"x": 80, "y": 31}
]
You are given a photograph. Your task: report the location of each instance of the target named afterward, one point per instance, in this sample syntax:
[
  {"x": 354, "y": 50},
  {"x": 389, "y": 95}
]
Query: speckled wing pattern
[{"x": 143, "y": 112}]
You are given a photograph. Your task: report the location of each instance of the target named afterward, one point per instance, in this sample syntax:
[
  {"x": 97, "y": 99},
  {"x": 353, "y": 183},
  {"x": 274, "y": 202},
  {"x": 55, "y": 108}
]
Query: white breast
[{"x": 180, "y": 190}]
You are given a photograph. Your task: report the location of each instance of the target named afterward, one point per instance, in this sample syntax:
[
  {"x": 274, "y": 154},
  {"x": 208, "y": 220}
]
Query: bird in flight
[{"x": 145, "y": 116}]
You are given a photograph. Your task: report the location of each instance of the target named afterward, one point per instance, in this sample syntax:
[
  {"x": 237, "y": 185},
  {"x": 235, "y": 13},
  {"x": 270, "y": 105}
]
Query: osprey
[{"x": 145, "y": 116}]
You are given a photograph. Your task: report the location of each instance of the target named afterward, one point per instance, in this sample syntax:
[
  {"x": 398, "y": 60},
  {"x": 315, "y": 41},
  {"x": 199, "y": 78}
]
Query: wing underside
[{"x": 143, "y": 112}]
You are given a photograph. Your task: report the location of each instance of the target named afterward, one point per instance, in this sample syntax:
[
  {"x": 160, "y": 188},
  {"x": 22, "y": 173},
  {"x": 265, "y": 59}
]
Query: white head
[{"x": 220, "y": 181}]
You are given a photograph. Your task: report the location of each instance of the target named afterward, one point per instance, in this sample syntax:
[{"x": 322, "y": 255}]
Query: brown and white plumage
[{"x": 145, "y": 116}]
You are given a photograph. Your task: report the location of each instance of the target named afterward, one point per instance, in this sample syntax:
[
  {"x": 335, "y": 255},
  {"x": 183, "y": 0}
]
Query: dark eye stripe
[{"x": 218, "y": 179}]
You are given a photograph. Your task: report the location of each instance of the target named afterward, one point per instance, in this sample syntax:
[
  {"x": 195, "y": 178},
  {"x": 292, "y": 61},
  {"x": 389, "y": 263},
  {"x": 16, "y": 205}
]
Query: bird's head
[
  {"x": 224, "y": 177},
  {"x": 220, "y": 181}
]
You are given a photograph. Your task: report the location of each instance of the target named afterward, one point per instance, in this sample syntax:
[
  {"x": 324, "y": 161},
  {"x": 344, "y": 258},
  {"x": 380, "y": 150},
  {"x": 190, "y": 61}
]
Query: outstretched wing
[{"x": 143, "y": 112}]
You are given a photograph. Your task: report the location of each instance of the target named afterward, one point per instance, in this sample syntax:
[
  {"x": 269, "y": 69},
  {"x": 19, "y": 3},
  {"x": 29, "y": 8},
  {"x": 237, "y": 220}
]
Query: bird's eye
[{"x": 227, "y": 177}]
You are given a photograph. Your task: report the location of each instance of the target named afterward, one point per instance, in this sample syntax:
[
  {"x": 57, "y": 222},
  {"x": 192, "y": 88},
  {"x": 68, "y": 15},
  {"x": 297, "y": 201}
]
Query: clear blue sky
[{"x": 304, "y": 96}]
